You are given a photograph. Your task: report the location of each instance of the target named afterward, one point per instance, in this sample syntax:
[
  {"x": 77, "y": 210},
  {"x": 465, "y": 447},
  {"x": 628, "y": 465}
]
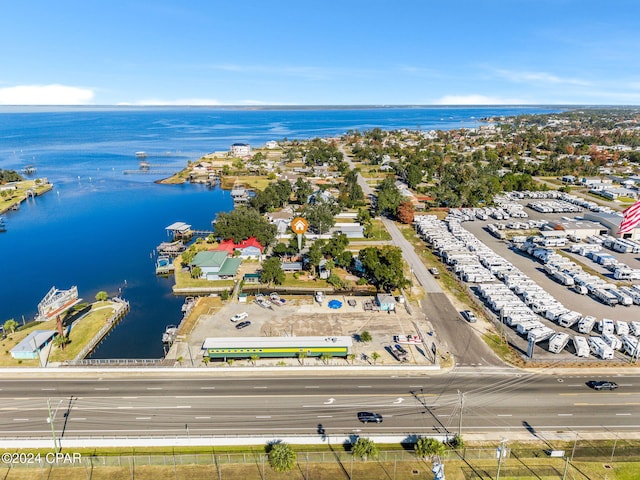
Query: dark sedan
[
  {"x": 602, "y": 385},
  {"x": 367, "y": 417},
  {"x": 242, "y": 325}
]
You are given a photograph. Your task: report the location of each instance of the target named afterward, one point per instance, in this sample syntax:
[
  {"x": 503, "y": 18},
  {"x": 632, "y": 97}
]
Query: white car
[{"x": 239, "y": 316}]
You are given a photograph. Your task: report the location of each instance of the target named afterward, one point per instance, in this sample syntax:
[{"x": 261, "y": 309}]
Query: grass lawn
[
  {"x": 17, "y": 196},
  {"x": 258, "y": 182},
  {"x": 81, "y": 332},
  {"x": 378, "y": 231}
]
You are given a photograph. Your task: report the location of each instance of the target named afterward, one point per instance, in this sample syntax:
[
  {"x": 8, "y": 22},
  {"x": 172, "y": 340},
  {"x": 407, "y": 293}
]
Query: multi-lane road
[{"x": 164, "y": 405}]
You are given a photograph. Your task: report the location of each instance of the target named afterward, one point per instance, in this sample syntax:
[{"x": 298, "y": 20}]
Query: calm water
[{"x": 97, "y": 228}]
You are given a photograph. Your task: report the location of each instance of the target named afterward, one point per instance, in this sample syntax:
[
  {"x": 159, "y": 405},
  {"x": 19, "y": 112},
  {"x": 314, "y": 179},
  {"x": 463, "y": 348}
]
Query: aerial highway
[{"x": 157, "y": 404}]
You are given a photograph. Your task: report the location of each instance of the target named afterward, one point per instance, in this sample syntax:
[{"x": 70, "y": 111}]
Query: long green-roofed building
[{"x": 276, "y": 347}]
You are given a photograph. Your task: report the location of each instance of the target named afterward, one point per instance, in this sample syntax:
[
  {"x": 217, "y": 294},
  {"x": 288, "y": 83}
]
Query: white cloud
[
  {"x": 475, "y": 99},
  {"x": 540, "y": 77},
  {"x": 53, "y": 94},
  {"x": 156, "y": 102}
]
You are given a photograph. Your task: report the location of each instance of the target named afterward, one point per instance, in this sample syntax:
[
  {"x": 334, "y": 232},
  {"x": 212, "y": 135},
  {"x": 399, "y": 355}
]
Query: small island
[{"x": 14, "y": 189}]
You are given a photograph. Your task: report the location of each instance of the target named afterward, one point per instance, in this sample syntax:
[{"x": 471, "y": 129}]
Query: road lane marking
[
  {"x": 47, "y": 389},
  {"x": 20, "y": 419},
  {"x": 202, "y": 418},
  {"x": 101, "y": 388},
  {"x": 124, "y": 408},
  {"x": 325, "y": 416},
  {"x": 312, "y": 386},
  {"x": 261, "y": 387},
  {"x": 207, "y": 388},
  {"x": 565, "y": 414},
  {"x": 505, "y": 415},
  {"x": 263, "y": 416},
  {"x": 364, "y": 386},
  {"x": 154, "y": 388},
  {"x": 182, "y": 406},
  {"x": 623, "y": 414},
  {"x": 143, "y": 418}
]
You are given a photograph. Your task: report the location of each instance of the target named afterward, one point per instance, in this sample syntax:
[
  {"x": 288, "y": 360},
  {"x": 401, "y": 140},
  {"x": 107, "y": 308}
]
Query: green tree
[
  {"x": 282, "y": 458},
  {"x": 10, "y": 326},
  {"x": 242, "y": 223},
  {"x": 315, "y": 255},
  {"x": 61, "y": 341},
  {"x": 101, "y": 296},
  {"x": 425, "y": 447},
  {"x": 388, "y": 198},
  {"x": 364, "y": 448},
  {"x": 272, "y": 271},
  {"x": 375, "y": 356},
  {"x": 320, "y": 215},
  {"x": 326, "y": 357},
  {"x": 196, "y": 272},
  {"x": 303, "y": 189},
  {"x": 384, "y": 267},
  {"x": 365, "y": 336}
]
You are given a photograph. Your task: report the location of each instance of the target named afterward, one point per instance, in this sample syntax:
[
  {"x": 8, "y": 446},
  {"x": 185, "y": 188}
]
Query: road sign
[{"x": 299, "y": 225}]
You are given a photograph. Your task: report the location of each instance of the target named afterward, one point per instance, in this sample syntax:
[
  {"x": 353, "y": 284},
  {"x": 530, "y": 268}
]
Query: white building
[{"x": 240, "y": 149}]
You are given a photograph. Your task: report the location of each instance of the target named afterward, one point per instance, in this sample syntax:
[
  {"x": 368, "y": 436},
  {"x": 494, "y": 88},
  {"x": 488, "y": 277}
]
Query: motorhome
[
  {"x": 600, "y": 349},
  {"x": 622, "y": 328},
  {"x": 569, "y": 319},
  {"x": 586, "y": 324},
  {"x": 606, "y": 325},
  {"x": 630, "y": 345},
  {"x": 611, "y": 340},
  {"x": 539, "y": 334},
  {"x": 558, "y": 341},
  {"x": 525, "y": 327},
  {"x": 581, "y": 345},
  {"x": 623, "y": 299}
]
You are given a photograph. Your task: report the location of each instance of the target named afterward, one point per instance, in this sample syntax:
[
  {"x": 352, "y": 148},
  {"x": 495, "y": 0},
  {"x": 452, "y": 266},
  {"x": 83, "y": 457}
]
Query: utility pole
[
  {"x": 501, "y": 452},
  {"x": 461, "y": 397}
]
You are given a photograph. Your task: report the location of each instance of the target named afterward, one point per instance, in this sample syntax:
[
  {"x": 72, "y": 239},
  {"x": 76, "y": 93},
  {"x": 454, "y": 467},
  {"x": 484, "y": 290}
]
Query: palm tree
[
  {"x": 301, "y": 357},
  {"x": 325, "y": 357},
  {"x": 254, "y": 358},
  {"x": 196, "y": 272},
  {"x": 351, "y": 357},
  {"x": 282, "y": 458},
  {"x": 375, "y": 356},
  {"x": 61, "y": 341},
  {"x": 364, "y": 448},
  {"x": 10, "y": 326}
]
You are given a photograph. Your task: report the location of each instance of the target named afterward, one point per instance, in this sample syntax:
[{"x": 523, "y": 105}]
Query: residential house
[
  {"x": 351, "y": 230},
  {"x": 386, "y": 302},
  {"x": 248, "y": 249},
  {"x": 240, "y": 150},
  {"x": 216, "y": 265}
]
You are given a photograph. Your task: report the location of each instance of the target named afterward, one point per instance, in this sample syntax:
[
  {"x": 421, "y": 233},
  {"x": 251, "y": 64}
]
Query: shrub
[
  {"x": 364, "y": 448},
  {"x": 426, "y": 447},
  {"x": 282, "y": 458}
]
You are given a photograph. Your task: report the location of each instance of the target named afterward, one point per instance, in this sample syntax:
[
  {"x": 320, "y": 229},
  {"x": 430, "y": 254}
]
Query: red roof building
[{"x": 249, "y": 248}]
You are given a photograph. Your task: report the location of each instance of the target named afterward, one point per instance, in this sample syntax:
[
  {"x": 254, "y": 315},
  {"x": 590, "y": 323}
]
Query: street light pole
[{"x": 50, "y": 421}]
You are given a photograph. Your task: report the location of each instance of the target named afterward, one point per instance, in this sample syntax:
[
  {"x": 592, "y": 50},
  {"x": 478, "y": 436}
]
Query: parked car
[
  {"x": 602, "y": 384},
  {"x": 469, "y": 316},
  {"x": 239, "y": 316},
  {"x": 242, "y": 325},
  {"x": 435, "y": 272},
  {"x": 367, "y": 417}
]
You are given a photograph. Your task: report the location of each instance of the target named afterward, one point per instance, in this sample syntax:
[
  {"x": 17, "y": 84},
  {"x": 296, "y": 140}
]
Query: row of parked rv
[
  {"x": 554, "y": 206},
  {"x": 555, "y": 195},
  {"x": 519, "y": 300},
  {"x": 621, "y": 271},
  {"x": 571, "y": 275}
]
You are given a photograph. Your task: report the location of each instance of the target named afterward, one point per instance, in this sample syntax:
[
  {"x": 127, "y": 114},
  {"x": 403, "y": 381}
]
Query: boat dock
[{"x": 164, "y": 266}]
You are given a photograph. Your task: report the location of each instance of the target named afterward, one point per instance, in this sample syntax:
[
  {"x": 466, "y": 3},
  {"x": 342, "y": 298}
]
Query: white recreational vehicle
[
  {"x": 600, "y": 349},
  {"x": 558, "y": 341},
  {"x": 581, "y": 345}
]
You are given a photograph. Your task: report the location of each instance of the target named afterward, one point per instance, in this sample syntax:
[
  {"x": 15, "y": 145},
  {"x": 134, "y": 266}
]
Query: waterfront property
[
  {"x": 248, "y": 249},
  {"x": 30, "y": 347},
  {"x": 276, "y": 347},
  {"x": 56, "y": 302},
  {"x": 216, "y": 265}
]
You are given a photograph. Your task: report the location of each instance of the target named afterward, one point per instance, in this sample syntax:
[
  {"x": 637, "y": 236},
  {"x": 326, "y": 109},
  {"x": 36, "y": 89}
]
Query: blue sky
[{"x": 347, "y": 52}]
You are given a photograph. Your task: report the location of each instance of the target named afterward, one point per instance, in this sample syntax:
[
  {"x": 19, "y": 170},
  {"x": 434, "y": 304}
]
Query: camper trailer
[
  {"x": 600, "y": 349},
  {"x": 581, "y": 345},
  {"x": 558, "y": 341}
]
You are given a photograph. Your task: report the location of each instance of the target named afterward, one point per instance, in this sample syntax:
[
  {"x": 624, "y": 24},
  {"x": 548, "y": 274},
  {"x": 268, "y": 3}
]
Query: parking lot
[{"x": 302, "y": 316}]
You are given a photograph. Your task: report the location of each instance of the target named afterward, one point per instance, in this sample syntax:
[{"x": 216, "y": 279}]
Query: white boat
[
  {"x": 169, "y": 334},
  {"x": 319, "y": 297}
]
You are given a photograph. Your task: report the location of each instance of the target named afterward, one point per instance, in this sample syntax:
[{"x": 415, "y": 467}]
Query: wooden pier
[{"x": 121, "y": 310}]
